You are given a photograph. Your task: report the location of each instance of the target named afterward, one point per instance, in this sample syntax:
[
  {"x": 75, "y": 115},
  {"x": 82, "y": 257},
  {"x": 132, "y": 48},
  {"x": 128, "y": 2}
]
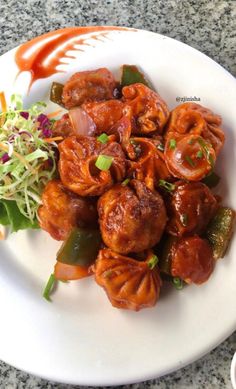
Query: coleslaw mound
[{"x": 27, "y": 162}]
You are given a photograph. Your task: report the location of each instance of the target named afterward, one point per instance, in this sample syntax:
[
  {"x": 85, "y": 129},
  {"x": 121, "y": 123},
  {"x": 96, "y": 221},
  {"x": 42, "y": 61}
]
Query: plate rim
[{"x": 195, "y": 355}]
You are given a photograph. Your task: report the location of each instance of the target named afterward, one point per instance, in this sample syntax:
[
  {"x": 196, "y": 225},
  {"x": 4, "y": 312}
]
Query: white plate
[{"x": 80, "y": 338}]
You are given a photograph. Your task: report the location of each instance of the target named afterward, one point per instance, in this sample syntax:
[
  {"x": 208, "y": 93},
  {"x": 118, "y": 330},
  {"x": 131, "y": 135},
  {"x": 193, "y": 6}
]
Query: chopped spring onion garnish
[
  {"x": 27, "y": 160},
  {"x": 206, "y": 151},
  {"x": 160, "y": 147},
  {"x": 107, "y": 274},
  {"x": 125, "y": 182},
  {"x": 49, "y": 286},
  {"x": 167, "y": 185},
  {"x": 152, "y": 262},
  {"x": 172, "y": 143},
  {"x": 199, "y": 154},
  {"x": 104, "y": 162},
  {"x": 184, "y": 219},
  {"x": 103, "y": 138},
  {"x": 178, "y": 283},
  {"x": 189, "y": 160}
]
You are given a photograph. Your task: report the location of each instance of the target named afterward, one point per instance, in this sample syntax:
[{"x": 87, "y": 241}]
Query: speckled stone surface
[{"x": 206, "y": 25}]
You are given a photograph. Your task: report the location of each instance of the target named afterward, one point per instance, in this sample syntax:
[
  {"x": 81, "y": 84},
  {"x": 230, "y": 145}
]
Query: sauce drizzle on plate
[{"x": 43, "y": 54}]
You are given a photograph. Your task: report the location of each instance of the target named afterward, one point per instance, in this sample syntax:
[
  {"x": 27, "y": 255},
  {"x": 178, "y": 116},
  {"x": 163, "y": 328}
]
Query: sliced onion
[
  {"x": 23, "y": 132},
  {"x": 10, "y": 150},
  {"x": 81, "y": 122}
]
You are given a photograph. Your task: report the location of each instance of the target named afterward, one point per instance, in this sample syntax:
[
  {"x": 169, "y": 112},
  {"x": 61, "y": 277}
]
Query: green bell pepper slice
[
  {"x": 132, "y": 75},
  {"x": 219, "y": 231},
  {"x": 81, "y": 247},
  {"x": 56, "y": 93}
]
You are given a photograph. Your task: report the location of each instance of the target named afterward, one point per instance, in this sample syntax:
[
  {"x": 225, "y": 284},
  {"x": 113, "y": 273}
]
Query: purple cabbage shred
[
  {"x": 25, "y": 115},
  {"x": 5, "y": 157},
  {"x": 43, "y": 120},
  {"x": 44, "y": 125}
]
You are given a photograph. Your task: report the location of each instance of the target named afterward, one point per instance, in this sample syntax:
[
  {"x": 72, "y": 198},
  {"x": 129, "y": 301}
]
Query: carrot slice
[
  {"x": 3, "y": 102},
  {"x": 54, "y": 139},
  {"x": 66, "y": 272},
  {"x": 54, "y": 114}
]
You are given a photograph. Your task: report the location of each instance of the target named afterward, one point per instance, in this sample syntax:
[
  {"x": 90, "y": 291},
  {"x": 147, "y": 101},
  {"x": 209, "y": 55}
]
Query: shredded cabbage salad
[{"x": 27, "y": 156}]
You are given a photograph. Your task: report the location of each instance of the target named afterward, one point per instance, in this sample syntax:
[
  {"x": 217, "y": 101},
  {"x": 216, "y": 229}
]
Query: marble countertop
[{"x": 207, "y": 25}]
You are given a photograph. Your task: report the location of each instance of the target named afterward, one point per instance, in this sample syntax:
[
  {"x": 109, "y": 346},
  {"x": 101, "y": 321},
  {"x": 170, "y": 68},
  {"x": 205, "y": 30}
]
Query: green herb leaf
[
  {"x": 10, "y": 215},
  {"x": 206, "y": 151},
  {"x": 49, "y": 286},
  {"x": 199, "y": 154},
  {"x": 103, "y": 138},
  {"x": 178, "y": 283},
  {"x": 167, "y": 185},
  {"x": 152, "y": 262},
  {"x": 104, "y": 162},
  {"x": 125, "y": 182},
  {"x": 189, "y": 160},
  {"x": 172, "y": 144}
]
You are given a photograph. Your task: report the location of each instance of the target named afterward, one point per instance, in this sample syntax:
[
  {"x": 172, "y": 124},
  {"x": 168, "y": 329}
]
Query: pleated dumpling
[{"x": 128, "y": 283}]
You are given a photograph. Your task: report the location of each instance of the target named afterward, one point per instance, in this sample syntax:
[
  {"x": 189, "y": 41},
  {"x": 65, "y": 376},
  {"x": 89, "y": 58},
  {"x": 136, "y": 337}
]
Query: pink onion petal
[
  {"x": 12, "y": 137},
  {"x": 81, "y": 122}
]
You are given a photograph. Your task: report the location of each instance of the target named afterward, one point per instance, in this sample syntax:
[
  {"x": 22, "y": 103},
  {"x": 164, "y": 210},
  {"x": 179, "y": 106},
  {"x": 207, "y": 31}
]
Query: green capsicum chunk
[
  {"x": 81, "y": 247},
  {"x": 56, "y": 93},
  {"x": 211, "y": 180},
  {"x": 219, "y": 231},
  {"x": 131, "y": 74}
]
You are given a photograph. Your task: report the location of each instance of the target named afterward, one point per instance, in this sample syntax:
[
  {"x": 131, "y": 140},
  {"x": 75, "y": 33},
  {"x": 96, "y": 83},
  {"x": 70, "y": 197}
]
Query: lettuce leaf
[{"x": 10, "y": 215}]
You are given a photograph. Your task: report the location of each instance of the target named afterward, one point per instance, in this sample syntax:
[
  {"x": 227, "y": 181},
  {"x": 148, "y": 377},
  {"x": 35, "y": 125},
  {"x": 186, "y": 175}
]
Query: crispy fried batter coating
[
  {"x": 132, "y": 218},
  {"x": 92, "y": 85},
  {"x": 62, "y": 210}
]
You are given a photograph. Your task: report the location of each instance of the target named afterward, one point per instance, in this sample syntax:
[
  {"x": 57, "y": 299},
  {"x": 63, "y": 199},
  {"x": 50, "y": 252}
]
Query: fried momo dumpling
[
  {"x": 192, "y": 260},
  {"x": 77, "y": 169},
  {"x": 132, "y": 218},
  {"x": 191, "y": 206},
  {"x": 149, "y": 110},
  {"x": 129, "y": 284},
  {"x": 62, "y": 210},
  {"x": 92, "y": 85},
  {"x": 192, "y": 118},
  {"x": 194, "y": 138},
  {"x": 147, "y": 162}
]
